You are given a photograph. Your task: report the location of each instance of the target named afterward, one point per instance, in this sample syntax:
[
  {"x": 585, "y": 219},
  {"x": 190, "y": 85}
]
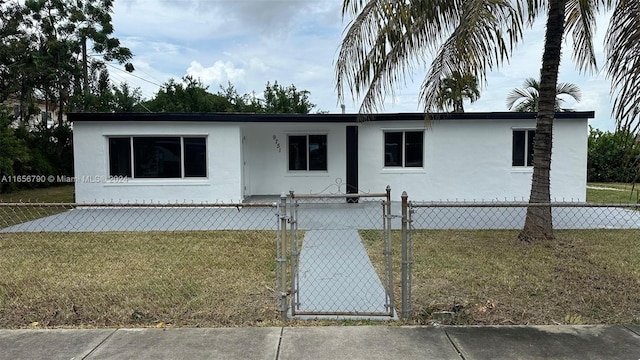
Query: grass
[
  {"x": 54, "y": 194},
  {"x": 225, "y": 278},
  {"x": 613, "y": 193},
  {"x": 489, "y": 277},
  {"x": 216, "y": 278},
  {"x": 15, "y": 215}
]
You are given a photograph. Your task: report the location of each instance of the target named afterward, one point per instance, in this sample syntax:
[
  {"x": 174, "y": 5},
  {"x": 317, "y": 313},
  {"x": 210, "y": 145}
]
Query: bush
[
  {"x": 613, "y": 157},
  {"x": 13, "y": 151},
  {"x": 36, "y": 151}
]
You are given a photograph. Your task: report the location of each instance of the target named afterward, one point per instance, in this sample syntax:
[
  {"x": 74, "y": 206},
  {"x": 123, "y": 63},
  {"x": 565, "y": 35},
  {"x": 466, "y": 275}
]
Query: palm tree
[
  {"x": 453, "y": 90},
  {"x": 527, "y": 97},
  {"x": 387, "y": 39}
]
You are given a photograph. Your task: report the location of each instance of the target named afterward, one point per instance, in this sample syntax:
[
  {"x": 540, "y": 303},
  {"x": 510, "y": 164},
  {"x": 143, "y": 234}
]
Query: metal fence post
[
  {"x": 388, "y": 251},
  {"x": 409, "y": 259},
  {"x": 293, "y": 239},
  {"x": 281, "y": 265},
  {"x": 405, "y": 260}
]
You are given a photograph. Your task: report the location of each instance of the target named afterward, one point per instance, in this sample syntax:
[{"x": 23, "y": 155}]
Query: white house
[{"x": 223, "y": 157}]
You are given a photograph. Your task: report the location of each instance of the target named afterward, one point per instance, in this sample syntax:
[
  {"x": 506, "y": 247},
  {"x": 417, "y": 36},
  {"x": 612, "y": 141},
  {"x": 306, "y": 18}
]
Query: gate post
[
  {"x": 388, "y": 251},
  {"x": 281, "y": 261},
  {"x": 295, "y": 252},
  {"x": 406, "y": 290}
]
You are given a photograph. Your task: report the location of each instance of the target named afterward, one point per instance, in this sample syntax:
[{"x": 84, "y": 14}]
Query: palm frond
[
  {"x": 622, "y": 45},
  {"x": 581, "y": 22},
  {"x": 388, "y": 39},
  {"x": 526, "y": 98},
  {"x": 569, "y": 89},
  {"x": 384, "y": 43},
  {"x": 482, "y": 40},
  {"x": 533, "y": 9}
]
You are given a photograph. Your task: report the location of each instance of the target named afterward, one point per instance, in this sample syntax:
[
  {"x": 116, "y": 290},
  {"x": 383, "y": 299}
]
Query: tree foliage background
[
  {"x": 54, "y": 54},
  {"x": 44, "y": 63},
  {"x": 613, "y": 156},
  {"x": 190, "y": 95}
]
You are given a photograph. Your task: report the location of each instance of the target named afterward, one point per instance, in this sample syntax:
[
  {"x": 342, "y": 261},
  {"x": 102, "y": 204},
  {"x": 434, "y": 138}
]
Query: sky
[{"x": 252, "y": 42}]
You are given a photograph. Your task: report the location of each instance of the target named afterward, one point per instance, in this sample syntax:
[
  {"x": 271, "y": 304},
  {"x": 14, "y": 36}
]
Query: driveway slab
[
  {"x": 153, "y": 344},
  {"x": 50, "y": 344},
  {"x": 366, "y": 342},
  {"x": 545, "y": 342}
]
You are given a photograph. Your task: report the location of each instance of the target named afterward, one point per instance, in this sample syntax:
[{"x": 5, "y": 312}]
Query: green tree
[
  {"x": 18, "y": 75},
  {"x": 188, "y": 96},
  {"x": 60, "y": 33},
  {"x": 613, "y": 156},
  {"x": 279, "y": 99},
  {"x": 455, "y": 89},
  {"x": 247, "y": 103},
  {"x": 106, "y": 97},
  {"x": 126, "y": 99},
  {"x": 526, "y": 99},
  {"x": 387, "y": 39},
  {"x": 192, "y": 96},
  {"x": 12, "y": 150}
]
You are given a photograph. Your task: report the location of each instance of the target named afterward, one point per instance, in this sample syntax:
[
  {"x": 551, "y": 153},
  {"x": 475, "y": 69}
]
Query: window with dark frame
[
  {"x": 195, "y": 157},
  {"x": 522, "y": 148},
  {"x": 120, "y": 157},
  {"x": 307, "y": 152},
  {"x": 404, "y": 149},
  {"x": 158, "y": 157}
]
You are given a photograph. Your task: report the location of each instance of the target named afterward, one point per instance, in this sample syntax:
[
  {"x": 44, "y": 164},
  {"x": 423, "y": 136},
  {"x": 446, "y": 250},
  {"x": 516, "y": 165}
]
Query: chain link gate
[{"x": 331, "y": 273}]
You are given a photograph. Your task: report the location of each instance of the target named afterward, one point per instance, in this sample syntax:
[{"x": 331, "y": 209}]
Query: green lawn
[
  {"x": 54, "y": 194},
  {"x": 125, "y": 279},
  {"x": 613, "y": 193},
  {"x": 489, "y": 277},
  {"x": 226, "y": 278}
]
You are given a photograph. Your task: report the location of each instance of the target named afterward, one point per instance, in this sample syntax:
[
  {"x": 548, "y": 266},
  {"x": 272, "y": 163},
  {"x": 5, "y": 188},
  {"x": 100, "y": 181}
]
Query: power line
[
  {"x": 146, "y": 94},
  {"x": 135, "y": 76},
  {"x": 137, "y": 70}
]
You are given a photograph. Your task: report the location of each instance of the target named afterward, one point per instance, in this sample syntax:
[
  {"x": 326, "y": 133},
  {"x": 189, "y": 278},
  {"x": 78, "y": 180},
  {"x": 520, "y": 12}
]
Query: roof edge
[{"x": 253, "y": 117}]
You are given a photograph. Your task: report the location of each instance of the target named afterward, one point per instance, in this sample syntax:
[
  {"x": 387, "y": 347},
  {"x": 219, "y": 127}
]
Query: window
[
  {"x": 158, "y": 157},
  {"x": 120, "y": 157},
  {"x": 307, "y": 152},
  {"x": 522, "y": 147},
  {"x": 403, "y": 149}
]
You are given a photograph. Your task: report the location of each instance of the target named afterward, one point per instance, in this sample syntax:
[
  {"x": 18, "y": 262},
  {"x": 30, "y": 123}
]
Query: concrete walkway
[
  {"x": 332, "y": 342},
  {"x": 336, "y": 275},
  {"x": 318, "y": 216}
]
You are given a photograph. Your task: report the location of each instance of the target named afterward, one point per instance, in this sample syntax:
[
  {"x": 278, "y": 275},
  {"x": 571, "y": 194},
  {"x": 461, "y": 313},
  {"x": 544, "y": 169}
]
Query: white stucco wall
[
  {"x": 223, "y": 164},
  {"x": 468, "y": 160},
  {"x": 463, "y": 160},
  {"x": 266, "y": 156}
]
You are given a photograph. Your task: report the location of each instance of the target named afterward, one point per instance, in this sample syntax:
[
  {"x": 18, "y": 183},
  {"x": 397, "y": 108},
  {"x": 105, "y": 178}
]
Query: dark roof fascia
[{"x": 323, "y": 118}]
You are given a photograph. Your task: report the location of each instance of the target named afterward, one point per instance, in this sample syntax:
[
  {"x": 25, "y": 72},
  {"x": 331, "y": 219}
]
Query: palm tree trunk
[{"x": 538, "y": 223}]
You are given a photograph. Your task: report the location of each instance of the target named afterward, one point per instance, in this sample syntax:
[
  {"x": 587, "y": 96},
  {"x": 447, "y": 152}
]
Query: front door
[{"x": 352, "y": 161}]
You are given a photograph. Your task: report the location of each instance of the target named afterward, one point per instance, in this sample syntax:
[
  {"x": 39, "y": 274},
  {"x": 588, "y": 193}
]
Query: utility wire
[{"x": 135, "y": 76}]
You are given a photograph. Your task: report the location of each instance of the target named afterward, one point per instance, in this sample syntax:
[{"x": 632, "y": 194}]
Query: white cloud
[
  {"x": 219, "y": 73},
  {"x": 250, "y": 42}
]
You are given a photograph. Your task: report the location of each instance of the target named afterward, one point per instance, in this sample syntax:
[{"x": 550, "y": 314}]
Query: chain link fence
[
  {"x": 450, "y": 275},
  {"x": 511, "y": 215},
  {"x": 214, "y": 265},
  {"x": 137, "y": 264},
  {"x": 332, "y": 274}
]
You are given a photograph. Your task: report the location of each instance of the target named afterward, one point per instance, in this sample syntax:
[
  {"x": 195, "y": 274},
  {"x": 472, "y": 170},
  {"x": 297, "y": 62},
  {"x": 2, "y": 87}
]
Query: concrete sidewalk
[{"x": 331, "y": 342}]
